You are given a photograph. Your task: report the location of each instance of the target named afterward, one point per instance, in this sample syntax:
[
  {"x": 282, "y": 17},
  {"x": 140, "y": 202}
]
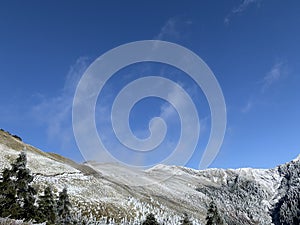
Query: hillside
[{"x": 243, "y": 196}]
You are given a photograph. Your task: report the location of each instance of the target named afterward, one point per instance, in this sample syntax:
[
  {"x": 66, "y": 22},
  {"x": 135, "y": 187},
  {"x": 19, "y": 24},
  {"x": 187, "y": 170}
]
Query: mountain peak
[{"x": 297, "y": 158}]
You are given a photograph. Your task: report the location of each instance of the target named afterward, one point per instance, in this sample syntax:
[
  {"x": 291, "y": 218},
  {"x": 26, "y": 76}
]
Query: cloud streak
[
  {"x": 56, "y": 113},
  {"x": 240, "y": 9},
  {"x": 273, "y": 76},
  {"x": 174, "y": 28},
  {"x": 248, "y": 106}
]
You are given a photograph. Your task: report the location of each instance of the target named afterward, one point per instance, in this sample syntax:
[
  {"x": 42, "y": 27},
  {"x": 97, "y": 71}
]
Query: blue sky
[{"x": 252, "y": 46}]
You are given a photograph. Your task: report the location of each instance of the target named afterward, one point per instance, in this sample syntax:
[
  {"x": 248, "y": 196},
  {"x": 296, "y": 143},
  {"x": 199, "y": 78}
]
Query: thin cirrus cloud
[
  {"x": 174, "y": 28},
  {"x": 248, "y": 106},
  {"x": 56, "y": 112},
  {"x": 240, "y": 9},
  {"x": 273, "y": 76}
]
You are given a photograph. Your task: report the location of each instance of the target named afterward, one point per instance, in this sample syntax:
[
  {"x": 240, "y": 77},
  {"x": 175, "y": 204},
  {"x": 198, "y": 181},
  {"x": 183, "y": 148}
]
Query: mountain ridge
[{"x": 243, "y": 196}]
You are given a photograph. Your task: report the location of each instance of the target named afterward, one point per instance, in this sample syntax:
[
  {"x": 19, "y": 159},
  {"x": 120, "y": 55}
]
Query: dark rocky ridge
[{"x": 287, "y": 210}]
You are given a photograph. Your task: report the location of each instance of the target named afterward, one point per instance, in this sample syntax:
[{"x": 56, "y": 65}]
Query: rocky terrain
[{"x": 119, "y": 194}]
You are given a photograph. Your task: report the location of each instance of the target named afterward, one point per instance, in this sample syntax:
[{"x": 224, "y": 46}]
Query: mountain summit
[{"x": 242, "y": 196}]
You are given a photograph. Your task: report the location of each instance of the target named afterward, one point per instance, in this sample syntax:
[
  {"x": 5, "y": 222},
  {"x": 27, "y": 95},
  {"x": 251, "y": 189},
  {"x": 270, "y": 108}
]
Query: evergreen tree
[
  {"x": 18, "y": 196},
  {"x": 63, "y": 207},
  {"x": 8, "y": 200},
  {"x": 47, "y": 207},
  {"x": 150, "y": 220},
  {"x": 25, "y": 192},
  {"x": 186, "y": 220},
  {"x": 213, "y": 217}
]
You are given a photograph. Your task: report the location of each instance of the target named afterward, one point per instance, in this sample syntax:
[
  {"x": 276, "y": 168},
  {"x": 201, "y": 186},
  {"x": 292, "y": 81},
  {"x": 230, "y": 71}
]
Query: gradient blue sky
[{"x": 252, "y": 46}]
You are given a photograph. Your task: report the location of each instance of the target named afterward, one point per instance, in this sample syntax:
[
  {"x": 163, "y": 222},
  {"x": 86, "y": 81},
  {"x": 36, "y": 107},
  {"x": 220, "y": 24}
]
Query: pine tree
[
  {"x": 186, "y": 220},
  {"x": 64, "y": 207},
  {"x": 18, "y": 196},
  {"x": 213, "y": 217},
  {"x": 150, "y": 220},
  {"x": 47, "y": 207},
  {"x": 25, "y": 192},
  {"x": 8, "y": 200}
]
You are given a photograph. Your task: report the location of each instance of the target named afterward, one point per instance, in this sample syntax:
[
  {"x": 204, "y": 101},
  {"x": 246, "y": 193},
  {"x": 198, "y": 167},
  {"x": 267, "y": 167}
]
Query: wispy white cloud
[
  {"x": 167, "y": 110},
  {"x": 170, "y": 115},
  {"x": 56, "y": 112},
  {"x": 240, "y": 9},
  {"x": 273, "y": 76},
  {"x": 277, "y": 72},
  {"x": 174, "y": 28},
  {"x": 247, "y": 107}
]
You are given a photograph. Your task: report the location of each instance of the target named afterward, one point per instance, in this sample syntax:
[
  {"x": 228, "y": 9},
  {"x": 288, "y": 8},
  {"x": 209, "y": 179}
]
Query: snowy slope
[{"x": 243, "y": 196}]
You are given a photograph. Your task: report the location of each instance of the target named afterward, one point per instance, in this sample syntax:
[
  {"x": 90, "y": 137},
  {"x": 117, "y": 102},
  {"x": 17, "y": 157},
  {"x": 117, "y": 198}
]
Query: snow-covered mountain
[{"x": 243, "y": 196}]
